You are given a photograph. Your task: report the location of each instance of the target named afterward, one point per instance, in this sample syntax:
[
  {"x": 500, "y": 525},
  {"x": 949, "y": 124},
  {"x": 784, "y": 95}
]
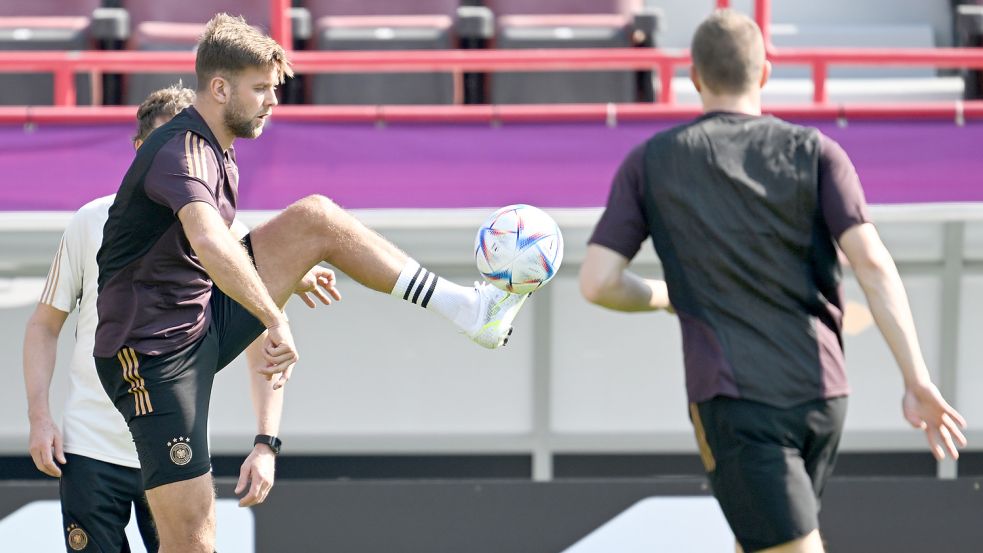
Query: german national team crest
[
  {"x": 77, "y": 538},
  {"x": 180, "y": 450}
]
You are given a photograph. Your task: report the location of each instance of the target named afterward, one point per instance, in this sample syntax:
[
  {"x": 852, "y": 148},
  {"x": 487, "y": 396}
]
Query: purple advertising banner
[{"x": 61, "y": 167}]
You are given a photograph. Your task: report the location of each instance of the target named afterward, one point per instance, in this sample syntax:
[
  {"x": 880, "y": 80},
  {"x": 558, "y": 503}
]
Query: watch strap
[{"x": 272, "y": 441}]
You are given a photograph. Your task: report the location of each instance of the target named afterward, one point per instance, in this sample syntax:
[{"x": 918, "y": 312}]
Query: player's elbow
[
  {"x": 205, "y": 244},
  {"x": 35, "y": 331},
  {"x": 869, "y": 259},
  {"x": 594, "y": 285},
  {"x": 45, "y": 324},
  {"x": 874, "y": 265}
]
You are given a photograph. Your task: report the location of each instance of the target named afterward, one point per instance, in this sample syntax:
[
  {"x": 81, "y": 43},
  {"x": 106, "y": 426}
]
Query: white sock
[{"x": 456, "y": 303}]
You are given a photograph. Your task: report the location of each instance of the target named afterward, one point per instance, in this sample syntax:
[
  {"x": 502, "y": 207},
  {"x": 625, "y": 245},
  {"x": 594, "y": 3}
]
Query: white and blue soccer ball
[{"x": 518, "y": 248}]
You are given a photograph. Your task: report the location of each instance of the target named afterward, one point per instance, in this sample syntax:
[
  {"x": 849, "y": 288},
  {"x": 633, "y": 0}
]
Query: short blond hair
[
  {"x": 161, "y": 104},
  {"x": 728, "y": 52},
  {"x": 230, "y": 46}
]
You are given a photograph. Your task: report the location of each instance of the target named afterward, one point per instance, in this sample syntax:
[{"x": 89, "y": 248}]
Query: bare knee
[
  {"x": 191, "y": 530},
  {"x": 330, "y": 226},
  {"x": 318, "y": 207},
  {"x": 184, "y": 513}
]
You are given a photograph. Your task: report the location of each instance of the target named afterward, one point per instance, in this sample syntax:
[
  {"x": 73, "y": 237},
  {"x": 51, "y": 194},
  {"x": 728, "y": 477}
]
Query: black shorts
[
  {"x": 768, "y": 466},
  {"x": 95, "y": 506},
  {"x": 165, "y": 398}
]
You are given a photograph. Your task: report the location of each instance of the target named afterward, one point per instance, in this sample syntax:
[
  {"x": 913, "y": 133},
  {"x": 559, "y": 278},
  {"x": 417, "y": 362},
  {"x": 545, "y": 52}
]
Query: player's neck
[
  {"x": 745, "y": 103},
  {"x": 212, "y": 114}
]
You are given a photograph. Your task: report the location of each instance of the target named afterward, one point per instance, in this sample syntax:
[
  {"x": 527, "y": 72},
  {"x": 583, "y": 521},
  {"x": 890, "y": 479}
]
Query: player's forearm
[
  {"x": 40, "y": 345},
  {"x": 627, "y": 291},
  {"x": 889, "y": 306},
  {"x": 267, "y": 402},
  {"x": 230, "y": 268}
]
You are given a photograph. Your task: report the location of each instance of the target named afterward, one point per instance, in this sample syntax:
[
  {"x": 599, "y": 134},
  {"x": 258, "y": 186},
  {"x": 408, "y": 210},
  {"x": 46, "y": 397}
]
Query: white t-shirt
[{"x": 92, "y": 427}]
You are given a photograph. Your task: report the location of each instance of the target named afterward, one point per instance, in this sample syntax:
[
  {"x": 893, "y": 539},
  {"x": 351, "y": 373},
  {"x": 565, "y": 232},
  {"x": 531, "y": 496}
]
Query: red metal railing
[
  {"x": 280, "y": 28},
  {"x": 64, "y": 65},
  {"x": 600, "y": 113}
]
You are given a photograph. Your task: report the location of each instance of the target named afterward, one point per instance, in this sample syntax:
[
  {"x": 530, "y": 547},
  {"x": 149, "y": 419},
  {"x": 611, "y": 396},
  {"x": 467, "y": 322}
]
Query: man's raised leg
[
  {"x": 185, "y": 515},
  {"x": 315, "y": 229}
]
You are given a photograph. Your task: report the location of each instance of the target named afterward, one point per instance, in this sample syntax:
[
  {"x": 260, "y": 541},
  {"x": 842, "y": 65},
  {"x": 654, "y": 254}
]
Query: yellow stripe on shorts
[{"x": 709, "y": 463}]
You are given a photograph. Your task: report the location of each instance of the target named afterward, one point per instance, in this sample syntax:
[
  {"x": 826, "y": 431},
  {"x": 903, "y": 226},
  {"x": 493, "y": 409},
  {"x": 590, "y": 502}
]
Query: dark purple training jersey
[
  {"x": 743, "y": 211},
  {"x": 154, "y": 292}
]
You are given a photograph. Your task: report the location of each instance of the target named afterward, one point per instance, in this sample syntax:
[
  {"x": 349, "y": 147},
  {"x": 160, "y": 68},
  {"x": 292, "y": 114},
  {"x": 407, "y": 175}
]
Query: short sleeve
[
  {"x": 183, "y": 171},
  {"x": 63, "y": 287},
  {"x": 841, "y": 196},
  {"x": 623, "y": 227}
]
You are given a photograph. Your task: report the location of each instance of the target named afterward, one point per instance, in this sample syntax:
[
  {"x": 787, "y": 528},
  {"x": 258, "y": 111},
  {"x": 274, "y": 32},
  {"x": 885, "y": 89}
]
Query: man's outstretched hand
[
  {"x": 925, "y": 408},
  {"x": 319, "y": 281}
]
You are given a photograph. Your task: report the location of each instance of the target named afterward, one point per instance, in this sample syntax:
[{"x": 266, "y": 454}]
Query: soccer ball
[{"x": 518, "y": 248}]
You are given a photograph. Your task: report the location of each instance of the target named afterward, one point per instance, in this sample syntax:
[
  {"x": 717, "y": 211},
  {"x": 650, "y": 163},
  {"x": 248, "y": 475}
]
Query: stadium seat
[
  {"x": 384, "y": 25},
  {"x": 883, "y": 84},
  {"x": 571, "y": 24},
  {"x": 51, "y": 25},
  {"x": 854, "y": 35},
  {"x": 969, "y": 32},
  {"x": 177, "y": 26}
]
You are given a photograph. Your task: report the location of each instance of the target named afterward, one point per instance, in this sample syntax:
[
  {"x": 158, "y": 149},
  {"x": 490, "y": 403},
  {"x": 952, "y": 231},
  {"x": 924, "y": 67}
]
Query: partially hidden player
[{"x": 93, "y": 454}]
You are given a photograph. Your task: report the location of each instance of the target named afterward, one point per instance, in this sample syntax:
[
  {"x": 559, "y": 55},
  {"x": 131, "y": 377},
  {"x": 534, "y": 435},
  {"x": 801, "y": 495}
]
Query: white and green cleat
[{"x": 496, "y": 312}]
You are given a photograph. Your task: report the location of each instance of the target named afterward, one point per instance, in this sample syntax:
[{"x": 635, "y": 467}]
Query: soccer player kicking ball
[
  {"x": 745, "y": 212},
  {"x": 95, "y": 459},
  {"x": 180, "y": 297}
]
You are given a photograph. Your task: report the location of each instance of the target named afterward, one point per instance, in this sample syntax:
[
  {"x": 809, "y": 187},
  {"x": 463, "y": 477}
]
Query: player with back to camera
[
  {"x": 745, "y": 212},
  {"x": 204, "y": 295},
  {"x": 95, "y": 459}
]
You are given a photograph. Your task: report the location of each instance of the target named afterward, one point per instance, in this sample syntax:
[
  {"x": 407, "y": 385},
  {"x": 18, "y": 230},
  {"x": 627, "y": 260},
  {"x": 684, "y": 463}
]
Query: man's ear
[
  {"x": 765, "y": 73},
  {"x": 220, "y": 89},
  {"x": 694, "y": 76}
]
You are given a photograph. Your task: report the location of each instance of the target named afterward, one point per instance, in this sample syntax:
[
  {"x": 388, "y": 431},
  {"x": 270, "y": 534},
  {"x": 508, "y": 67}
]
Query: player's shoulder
[
  {"x": 803, "y": 138},
  {"x": 183, "y": 141},
  {"x": 97, "y": 209},
  {"x": 635, "y": 159},
  {"x": 97, "y": 205},
  {"x": 187, "y": 152},
  {"x": 86, "y": 224}
]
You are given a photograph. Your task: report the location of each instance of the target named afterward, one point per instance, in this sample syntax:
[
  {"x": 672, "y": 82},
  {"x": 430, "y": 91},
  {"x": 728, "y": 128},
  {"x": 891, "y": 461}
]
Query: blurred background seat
[
  {"x": 45, "y": 25},
  {"x": 177, "y": 26},
  {"x": 969, "y": 32},
  {"x": 571, "y": 24},
  {"x": 383, "y": 25}
]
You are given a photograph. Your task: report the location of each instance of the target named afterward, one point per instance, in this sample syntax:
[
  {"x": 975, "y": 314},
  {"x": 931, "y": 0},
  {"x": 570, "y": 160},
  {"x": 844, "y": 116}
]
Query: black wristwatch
[{"x": 271, "y": 441}]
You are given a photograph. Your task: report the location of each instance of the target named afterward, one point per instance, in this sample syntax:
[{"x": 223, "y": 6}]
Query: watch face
[{"x": 272, "y": 441}]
